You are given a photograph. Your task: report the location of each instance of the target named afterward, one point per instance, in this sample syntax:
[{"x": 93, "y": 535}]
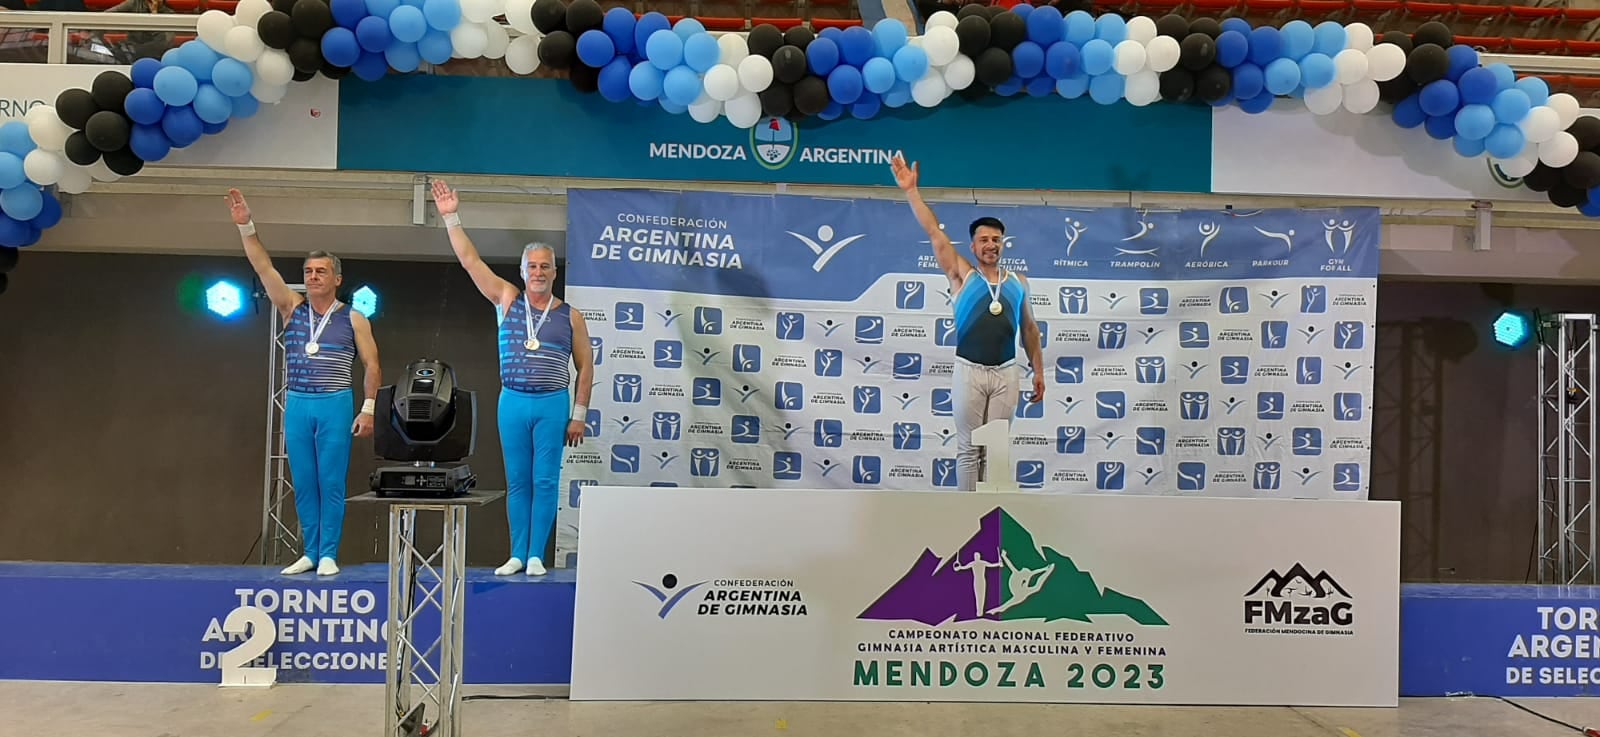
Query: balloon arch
[{"x": 243, "y": 60}]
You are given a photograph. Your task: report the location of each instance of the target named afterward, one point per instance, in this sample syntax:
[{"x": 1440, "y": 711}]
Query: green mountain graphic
[{"x": 1067, "y": 593}]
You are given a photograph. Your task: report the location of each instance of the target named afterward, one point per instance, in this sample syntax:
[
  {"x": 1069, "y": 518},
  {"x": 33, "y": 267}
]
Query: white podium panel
[{"x": 724, "y": 594}]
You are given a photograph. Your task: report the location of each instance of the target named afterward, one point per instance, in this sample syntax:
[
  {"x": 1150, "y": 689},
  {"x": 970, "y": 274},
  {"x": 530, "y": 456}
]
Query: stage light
[
  {"x": 1512, "y": 329},
  {"x": 365, "y": 301},
  {"x": 224, "y": 299}
]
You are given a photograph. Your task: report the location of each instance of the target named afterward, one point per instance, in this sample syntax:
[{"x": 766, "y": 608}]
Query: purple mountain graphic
[{"x": 933, "y": 591}]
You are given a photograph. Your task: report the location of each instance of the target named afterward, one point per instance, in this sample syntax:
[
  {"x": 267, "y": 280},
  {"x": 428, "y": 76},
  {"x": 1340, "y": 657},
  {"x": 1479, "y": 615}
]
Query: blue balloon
[
  {"x": 701, "y": 52},
  {"x": 856, "y": 46},
  {"x": 373, "y": 35},
  {"x": 434, "y": 47},
  {"x": 1009, "y": 87},
  {"x": 1511, "y": 106},
  {"x": 211, "y": 105},
  {"x": 1022, "y": 10},
  {"x": 1240, "y": 25},
  {"x": 182, "y": 126},
  {"x": 1298, "y": 38},
  {"x": 1073, "y": 87},
  {"x": 1078, "y": 27},
  {"x": 212, "y": 129},
  {"x": 1536, "y": 89},
  {"x": 1045, "y": 28},
  {"x": 143, "y": 105},
  {"x": 144, "y": 71},
  {"x": 845, "y": 84},
  {"x": 595, "y": 48},
  {"x": 1478, "y": 86},
  {"x": 613, "y": 80},
  {"x": 1462, "y": 58},
  {"x": 1062, "y": 60},
  {"x": 232, "y": 77},
  {"x": 1330, "y": 38},
  {"x": 1041, "y": 86},
  {"x": 618, "y": 24},
  {"x": 442, "y": 15},
  {"x": 664, "y": 50},
  {"x": 1468, "y": 147},
  {"x": 149, "y": 143},
  {"x": 246, "y": 105},
  {"x": 833, "y": 111},
  {"x": 1282, "y": 76},
  {"x": 1027, "y": 60},
  {"x": 1590, "y": 208},
  {"x": 1441, "y": 127},
  {"x": 911, "y": 62},
  {"x": 371, "y": 67},
  {"x": 348, "y": 13},
  {"x": 381, "y": 8},
  {"x": 682, "y": 86},
  {"x": 1505, "y": 141},
  {"x": 686, "y": 27},
  {"x": 878, "y": 75},
  {"x": 11, "y": 173},
  {"x": 645, "y": 27},
  {"x": 339, "y": 47},
  {"x": 1504, "y": 77},
  {"x": 822, "y": 55},
  {"x": 1098, "y": 56},
  {"x": 897, "y": 95},
  {"x": 408, "y": 25},
  {"x": 15, "y": 139},
  {"x": 1112, "y": 29},
  {"x": 1441, "y": 98},
  {"x": 1266, "y": 45},
  {"x": 13, "y": 233},
  {"x": 1317, "y": 71},
  {"x": 403, "y": 57},
  {"x": 1107, "y": 89},
  {"x": 34, "y": 234},
  {"x": 1408, "y": 112},
  {"x": 22, "y": 202},
  {"x": 1257, "y": 104},
  {"x": 645, "y": 81},
  {"x": 50, "y": 214},
  {"x": 1474, "y": 122},
  {"x": 1248, "y": 81},
  {"x": 672, "y": 107},
  {"x": 1233, "y": 48},
  {"x": 888, "y": 37},
  {"x": 199, "y": 59},
  {"x": 176, "y": 86},
  {"x": 867, "y": 107}
]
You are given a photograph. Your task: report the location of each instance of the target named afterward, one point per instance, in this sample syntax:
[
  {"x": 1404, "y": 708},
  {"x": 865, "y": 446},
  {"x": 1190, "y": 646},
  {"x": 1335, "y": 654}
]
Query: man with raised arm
[
  {"x": 322, "y": 338},
  {"x": 990, "y": 307},
  {"x": 541, "y": 338}
]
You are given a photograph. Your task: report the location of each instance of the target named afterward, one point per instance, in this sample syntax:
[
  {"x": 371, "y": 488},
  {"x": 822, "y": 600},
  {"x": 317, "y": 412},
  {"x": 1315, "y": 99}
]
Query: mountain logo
[
  {"x": 1001, "y": 575},
  {"x": 1296, "y": 602}
]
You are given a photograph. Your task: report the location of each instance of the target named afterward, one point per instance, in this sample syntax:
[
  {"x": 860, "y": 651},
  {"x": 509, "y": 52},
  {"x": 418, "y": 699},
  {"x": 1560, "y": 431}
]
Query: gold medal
[
  {"x": 531, "y": 344},
  {"x": 994, "y": 307}
]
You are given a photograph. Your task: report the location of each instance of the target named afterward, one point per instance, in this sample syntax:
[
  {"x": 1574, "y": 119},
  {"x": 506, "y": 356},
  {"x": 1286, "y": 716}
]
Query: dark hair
[{"x": 972, "y": 230}]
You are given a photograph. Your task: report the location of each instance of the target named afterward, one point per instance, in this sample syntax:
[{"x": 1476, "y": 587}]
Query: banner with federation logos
[
  {"x": 830, "y": 595},
  {"x": 785, "y": 341}
]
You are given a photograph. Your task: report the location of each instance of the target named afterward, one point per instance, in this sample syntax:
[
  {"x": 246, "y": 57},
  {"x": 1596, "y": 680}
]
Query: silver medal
[
  {"x": 994, "y": 307},
  {"x": 311, "y": 349}
]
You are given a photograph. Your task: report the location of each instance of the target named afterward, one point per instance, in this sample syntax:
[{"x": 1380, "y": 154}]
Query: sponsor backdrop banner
[
  {"x": 803, "y": 342},
  {"x": 830, "y": 595},
  {"x": 299, "y": 132},
  {"x": 1500, "y": 640},
  {"x": 542, "y": 127}
]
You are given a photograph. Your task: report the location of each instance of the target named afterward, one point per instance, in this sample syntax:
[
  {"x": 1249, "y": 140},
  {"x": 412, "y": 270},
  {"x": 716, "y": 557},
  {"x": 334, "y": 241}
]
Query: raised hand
[
  {"x": 238, "y": 207},
  {"x": 444, "y": 197},
  {"x": 904, "y": 176}
]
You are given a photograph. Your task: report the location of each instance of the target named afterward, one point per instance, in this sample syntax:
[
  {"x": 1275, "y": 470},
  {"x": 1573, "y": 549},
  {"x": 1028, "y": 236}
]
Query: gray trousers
[{"x": 979, "y": 395}]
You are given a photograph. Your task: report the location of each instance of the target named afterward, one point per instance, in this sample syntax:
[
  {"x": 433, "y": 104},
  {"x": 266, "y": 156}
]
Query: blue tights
[
  {"x": 316, "y": 428},
  {"x": 533, "y": 436}
]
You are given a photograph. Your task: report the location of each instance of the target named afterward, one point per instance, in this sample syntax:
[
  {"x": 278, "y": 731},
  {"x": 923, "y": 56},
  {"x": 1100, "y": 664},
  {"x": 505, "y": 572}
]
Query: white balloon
[
  {"x": 1142, "y": 88},
  {"x": 1559, "y": 151},
  {"x": 248, "y": 12},
  {"x": 481, "y": 11},
  {"x": 942, "y": 19},
  {"x": 101, "y": 172},
  {"x": 1350, "y": 66},
  {"x": 1566, "y": 107},
  {"x": 1540, "y": 124},
  {"x": 469, "y": 40},
  {"x": 734, "y": 49},
  {"x": 722, "y": 83},
  {"x": 46, "y": 129},
  {"x": 743, "y": 111},
  {"x": 75, "y": 180},
  {"x": 705, "y": 109},
  {"x": 522, "y": 55},
  {"x": 1128, "y": 57},
  {"x": 1518, "y": 166},
  {"x": 243, "y": 43},
  {"x": 960, "y": 72},
  {"x": 43, "y": 167},
  {"x": 274, "y": 68},
  {"x": 519, "y": 14},
  {"x": 498, "y": 40},
  {"x": 1141, "y": 29},
  {"x": 213, "y": 27},
  {"x": 1162, "y": 53},
  {"x": 1358, "y": 36},
  {"x": 1385, "y": 62},
  {"x": 930, "y": 90},
  {"x": 1360, "y": 98},
  {"x": 755, "y": 73},
  {"x": 1325, "y": 100},
  {"x": 268, "y": 94},
  {"x": 941, "y": 45}
]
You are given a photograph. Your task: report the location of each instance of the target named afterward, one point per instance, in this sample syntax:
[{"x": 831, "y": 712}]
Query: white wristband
[
  {"x": 248, "y": 228},
  {"x": 452, "y": 220},
  {"x": 369, "y": 407},
  {"x": 580, "y": 413}
]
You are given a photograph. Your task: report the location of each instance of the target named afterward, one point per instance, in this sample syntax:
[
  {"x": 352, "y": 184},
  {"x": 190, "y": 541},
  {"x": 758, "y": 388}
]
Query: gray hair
[
  {"x": 338, "y": 268},
  {"x": 522, "y": 263}
]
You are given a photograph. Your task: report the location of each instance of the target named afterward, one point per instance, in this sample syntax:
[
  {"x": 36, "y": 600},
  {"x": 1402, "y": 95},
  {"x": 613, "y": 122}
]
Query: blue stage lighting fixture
[
  {"x": 365, "y": 301},
  {"x": 224, "y": 299},
  {"x": 1512, "y": 329}
]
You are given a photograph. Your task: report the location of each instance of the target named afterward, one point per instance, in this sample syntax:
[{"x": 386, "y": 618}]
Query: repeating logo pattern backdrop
[{"x": 785, "y": 341}]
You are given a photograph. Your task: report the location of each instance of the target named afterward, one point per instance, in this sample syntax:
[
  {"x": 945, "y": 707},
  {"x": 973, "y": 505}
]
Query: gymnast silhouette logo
[
  {"x": 824, "y": 247},
  {"x": 668, "y": 595}
]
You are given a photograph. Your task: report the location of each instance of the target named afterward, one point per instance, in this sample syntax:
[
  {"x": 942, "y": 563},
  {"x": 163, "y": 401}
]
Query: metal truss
[
  {"x": 423, "y": 669},
  {"x": 1408, "y": 401},
  {"x": 1566, "y": 449},
  {"x": 280, "y": 541}
]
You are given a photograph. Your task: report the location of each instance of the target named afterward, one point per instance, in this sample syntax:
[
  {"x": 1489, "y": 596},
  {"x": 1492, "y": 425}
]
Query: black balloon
[
  {"x": 304, "y": 76},
  {"x": 108, "y": 131},
  {"x": 584, "y": 15},
  {"x": 1398, "y": 39},
  {"x": 8, "y": 259},
  {"x": 973, "y": 34},
  {"x": 549, "y": 16},
  {"x": 764, "y": 40},
  {"x": 1543, "y": 178},
  {"x": 1177, "y": 85},
  {"x": 1007, "y": 30},
  {"x": 75, "y": 107},
  {"x": 1433, "y": 32},
  {"x": 276, "y": 30},
  {"x": 1427, "y": 63},
  {"x": 811, "y": 95},
  {"x": 1209, "y": 26},
  {"x": 788, "y": 64},
  {"x": 558, "y": 50},
  {"x": 79, "y": 150},
  {"x": 777, "y": 99},
  {"x": 973, "y": 92},
  {"x": 993, "y": 67},
  {"x": 1213, "y": 83},
  {"x": 1197, "y": 51},
  {"x": 283, "y": 6},
  {"x": 1397, "y": 89},
  {"x": 312, "y": 18},
  {"x": 1566, "y": 195},
  {"x": 1587, "y": 130},
  {"x": 971, "y": 9},
  {"x": 1173, "y": 25},
  {"x": 334, "y": 72},
  {"x": 584, "y": 78},
  {"x": 110, "y": 89},
  {"x": 306, "y": 55},
  {"x": 799, "y": 37},
  {"x": 124, "y": 162},
  {"x": 1583, "y": 172}
]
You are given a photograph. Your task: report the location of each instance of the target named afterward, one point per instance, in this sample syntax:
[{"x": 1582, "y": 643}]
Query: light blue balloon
[
  {"x": 1505, "y": 141},
  {"x": 403, "y": 57},
  {"x": 1079, "y": 27},
  {"x": 1111, "y": 28},
  {"x": 664, "y": 49},
  {"x": 1098, "y": 56},
  {"x": 211, "y": 105},
  {"x": 673, "y": 107},
  {"x": 1537, "y": 90},
  {"x": 199, "y": 59},
  {"x": 1468, "y": 147},
  {"x": 232, "y": 77},
  {"x": 889, "y": 36},
  {"x": 1474, "y": 122},
  {"x": 176, "y": 86},
  {"x": 910, "y": 63},
  {"x": 1505, "y": 78},
  {"x": 442, "y": 15},
  {"x": 1074, "y": 87},
  {"x": 1330, "y": 38},
  {"x": 681, "y": 85},
  {"x": 434, "y": 47},
  {"x": 22, "y": 202},
  {"x": 687, "y": 27},
  {"x": 408, "y": 24},
  {"x": 646, "y": 80},
  {"x": 1298, "y": 38},
  {"x": 245, "y": 106},
  {"x": 1317, "y": 71},
  {"x": 382, "y": 8},
  {"x": 878, "y": 73},
  {"x": 11, "y": 173},
  {"x": 701, "y": 52},
  {"x": 1283, "y": 76},
  {"x": 14, "y": 138},
  {"x": 1107, "y": 89},
  {"x": 1511, "y": 106}
]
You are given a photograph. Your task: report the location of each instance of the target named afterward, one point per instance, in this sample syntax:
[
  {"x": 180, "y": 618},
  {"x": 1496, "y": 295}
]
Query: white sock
[
  {"x": 535, "y": 567},
  {"x": 327, "y": 567},
  {"x": 299, "y": 566},
  {"x": 509, "y": 567}
]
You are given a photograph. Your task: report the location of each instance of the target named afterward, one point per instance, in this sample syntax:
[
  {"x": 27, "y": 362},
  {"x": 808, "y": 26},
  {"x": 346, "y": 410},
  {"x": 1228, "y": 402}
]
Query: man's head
[
  {"x": 323, "y": 274},
  {"x": 539, "y": 268},
  {"x": 988, "y": 236}
]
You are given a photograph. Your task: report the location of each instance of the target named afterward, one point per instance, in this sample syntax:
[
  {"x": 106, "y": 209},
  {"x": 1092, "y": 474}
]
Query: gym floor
[{"x": 41, "y": 709}]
